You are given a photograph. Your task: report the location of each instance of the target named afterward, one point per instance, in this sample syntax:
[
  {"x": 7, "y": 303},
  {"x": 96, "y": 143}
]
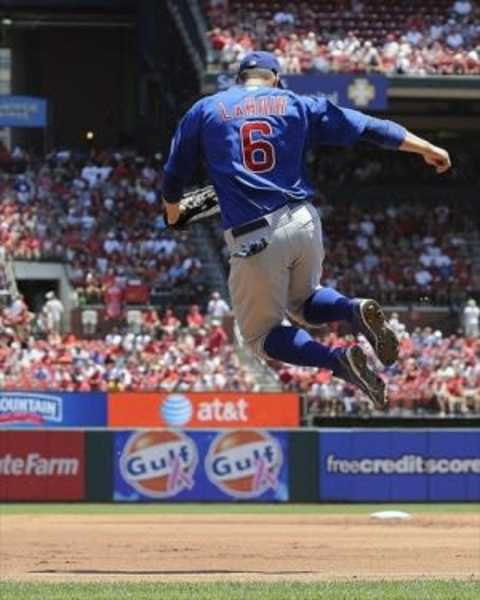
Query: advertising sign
[
  {"x": 399, "y": 465},
  {"x": 42, "y": 465},
  {"x": 201, "y": 466},
  {"x": 361, "y": 92},
  {"x": 51, "y": 409},
  {"x": 22, "y": 111},
  {"x": 203, "y": 410}
]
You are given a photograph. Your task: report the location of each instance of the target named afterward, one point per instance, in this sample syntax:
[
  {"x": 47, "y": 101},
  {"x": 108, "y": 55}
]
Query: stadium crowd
[
  {"x": 405, "y": 252},
  {"x": 167, "y": 353},
  {"x": 101, "y": 215},
  {"x": 350, "y": 36},
  {"x": 435, "y": 375}
]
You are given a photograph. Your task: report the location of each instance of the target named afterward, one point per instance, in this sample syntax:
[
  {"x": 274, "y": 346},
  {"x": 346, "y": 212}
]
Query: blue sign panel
[
  {"x": 23, "y": 111},
  {"x": 201, "y": 466},
  {"x": 399, "y": 465},
  {"x": 52, "y": 409},
  {"x": 362, "y": 92}
]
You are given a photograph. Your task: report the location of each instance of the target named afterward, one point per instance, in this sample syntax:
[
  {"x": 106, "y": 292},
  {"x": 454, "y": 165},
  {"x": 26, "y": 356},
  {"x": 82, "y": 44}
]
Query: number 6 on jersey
[{"x": 258, "y": 155}]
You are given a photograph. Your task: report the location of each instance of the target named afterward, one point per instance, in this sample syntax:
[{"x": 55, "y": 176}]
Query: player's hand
[
  {"x": 438, "y": 158},
  {"x": 171, "y": 213}
]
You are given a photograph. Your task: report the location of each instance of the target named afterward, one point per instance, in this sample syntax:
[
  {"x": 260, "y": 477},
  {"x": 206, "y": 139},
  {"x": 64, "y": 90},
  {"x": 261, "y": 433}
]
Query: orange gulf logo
[
  {"x": 159, "y": 464},
  {"x": 244, "y": 464}
]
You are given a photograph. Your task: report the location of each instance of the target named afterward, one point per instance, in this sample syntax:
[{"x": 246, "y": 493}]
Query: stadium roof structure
[
  {"x": 67, "y": 13},
  {"x": 68, "y": 4}
]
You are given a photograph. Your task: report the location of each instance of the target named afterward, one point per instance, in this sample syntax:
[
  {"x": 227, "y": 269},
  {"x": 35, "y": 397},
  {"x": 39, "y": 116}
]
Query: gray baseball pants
[{"x": 268, "y": 286}]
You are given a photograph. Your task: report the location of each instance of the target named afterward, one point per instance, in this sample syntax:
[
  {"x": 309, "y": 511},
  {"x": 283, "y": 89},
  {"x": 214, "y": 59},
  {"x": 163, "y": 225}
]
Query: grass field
[
  {"x": 421, "y": 589},
  {"x": 425, "y": 590},
  {"x": 226, "y": 509}
]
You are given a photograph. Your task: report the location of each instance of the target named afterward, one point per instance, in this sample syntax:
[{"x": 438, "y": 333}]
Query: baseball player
[{"x": 254, "y": 137}]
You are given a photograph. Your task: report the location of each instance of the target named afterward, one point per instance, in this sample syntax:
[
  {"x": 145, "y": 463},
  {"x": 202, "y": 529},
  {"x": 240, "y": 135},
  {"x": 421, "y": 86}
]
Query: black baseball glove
[{"x": 196, "y": 205}]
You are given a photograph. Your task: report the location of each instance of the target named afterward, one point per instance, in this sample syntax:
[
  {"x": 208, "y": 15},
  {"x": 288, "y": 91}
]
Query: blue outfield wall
[
  {"x": 228, "y": 465},
  {"x": 394, "y": 465}
]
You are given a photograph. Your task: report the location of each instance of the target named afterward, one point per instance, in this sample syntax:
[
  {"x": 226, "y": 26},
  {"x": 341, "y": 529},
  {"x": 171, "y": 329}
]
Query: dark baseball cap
[{"x": 260, "y": 60}]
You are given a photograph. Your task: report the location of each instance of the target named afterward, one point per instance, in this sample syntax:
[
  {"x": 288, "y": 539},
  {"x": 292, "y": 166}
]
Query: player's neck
[{"x": 257, "y": 83}]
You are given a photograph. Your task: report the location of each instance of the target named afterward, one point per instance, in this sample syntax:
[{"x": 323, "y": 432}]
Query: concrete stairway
[
  {"x": 201, "y": 236},
  {"x": 10, "y": 290}
]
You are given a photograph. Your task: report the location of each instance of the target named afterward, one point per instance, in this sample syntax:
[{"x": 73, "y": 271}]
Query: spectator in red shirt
[
  {"x": 170, "y": 322},
  {"x": 113, "y": 298},
  {"x": 151, "y": 322},
  {"x": 217, "y": 338},
  {"x": 195, "y": 318}
]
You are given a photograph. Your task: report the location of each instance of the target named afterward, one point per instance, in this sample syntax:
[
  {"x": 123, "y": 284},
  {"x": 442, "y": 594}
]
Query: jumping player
[{"x": 254, "y": 137}]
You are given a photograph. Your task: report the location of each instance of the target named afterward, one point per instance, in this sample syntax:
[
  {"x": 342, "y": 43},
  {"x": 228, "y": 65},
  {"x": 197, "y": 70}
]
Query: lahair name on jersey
[{"x": 255, "y": 107}]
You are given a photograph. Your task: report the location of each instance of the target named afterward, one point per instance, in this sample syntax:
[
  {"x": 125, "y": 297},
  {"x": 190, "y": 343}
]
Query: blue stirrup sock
[
  {"x": 297, "y": 347},
  {"x": 326, "y": 305}
]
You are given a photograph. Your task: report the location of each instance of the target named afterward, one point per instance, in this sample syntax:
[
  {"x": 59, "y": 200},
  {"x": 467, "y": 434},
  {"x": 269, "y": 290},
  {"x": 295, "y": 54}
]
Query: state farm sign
[
  {"x": 205, "y": 409},
  {"x": 41, "y": 465},
  {"x": 38, "y": 465}
]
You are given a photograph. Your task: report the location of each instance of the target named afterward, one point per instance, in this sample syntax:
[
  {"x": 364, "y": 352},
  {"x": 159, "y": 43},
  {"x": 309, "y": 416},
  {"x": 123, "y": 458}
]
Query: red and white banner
[{"x": 42, "y": 465}]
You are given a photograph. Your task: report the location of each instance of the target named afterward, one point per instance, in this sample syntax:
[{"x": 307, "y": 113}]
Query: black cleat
[
  {"x": 353, "y": 368},
  {"x": 368, "y": 319}
]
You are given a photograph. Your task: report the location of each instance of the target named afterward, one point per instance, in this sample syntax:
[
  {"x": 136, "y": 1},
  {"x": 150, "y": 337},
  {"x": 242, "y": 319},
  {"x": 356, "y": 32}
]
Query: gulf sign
[
  {"x": 242, "y": 464},
  {"x": 42, "y": 465},
  {"x": 203, "y": 410},
  {"x": 159, "y": 464}
]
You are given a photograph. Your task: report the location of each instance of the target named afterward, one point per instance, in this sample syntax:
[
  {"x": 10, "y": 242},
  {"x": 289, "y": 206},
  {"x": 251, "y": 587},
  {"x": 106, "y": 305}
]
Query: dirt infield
[{"x": 239, "y": 547}]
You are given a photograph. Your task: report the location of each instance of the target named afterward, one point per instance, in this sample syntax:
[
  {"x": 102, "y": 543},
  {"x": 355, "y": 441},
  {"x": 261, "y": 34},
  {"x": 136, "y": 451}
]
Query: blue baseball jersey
[{"x": 254, "y": 141}]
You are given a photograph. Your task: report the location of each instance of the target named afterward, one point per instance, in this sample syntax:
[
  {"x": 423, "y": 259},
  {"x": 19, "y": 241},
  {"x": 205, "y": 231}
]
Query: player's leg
[
  {"x": 308, "y": 302},
  {"x": 259, "y": 289},
  {"x": 364, "y": 314},
  {"x": 296, "y": 346},
  {"x": 326, "y": 305},
  {"x": 315, "y": 305}
]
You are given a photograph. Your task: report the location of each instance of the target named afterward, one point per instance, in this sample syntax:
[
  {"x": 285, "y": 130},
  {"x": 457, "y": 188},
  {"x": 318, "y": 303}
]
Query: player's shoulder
[
  {"x": 199, "y": 105},
  {"x": 207, "y": 104},
  {"x": 314, "y": 103}
]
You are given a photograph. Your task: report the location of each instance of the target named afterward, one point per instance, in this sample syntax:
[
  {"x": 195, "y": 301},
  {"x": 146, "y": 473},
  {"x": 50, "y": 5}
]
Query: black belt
[{"x": 249, "y": 227}]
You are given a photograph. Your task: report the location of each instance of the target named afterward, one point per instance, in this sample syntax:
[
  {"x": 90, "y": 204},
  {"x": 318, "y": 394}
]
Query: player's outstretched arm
[
  {"x": 334, "y": 125},
  {"x": 432, "y": 155}
]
